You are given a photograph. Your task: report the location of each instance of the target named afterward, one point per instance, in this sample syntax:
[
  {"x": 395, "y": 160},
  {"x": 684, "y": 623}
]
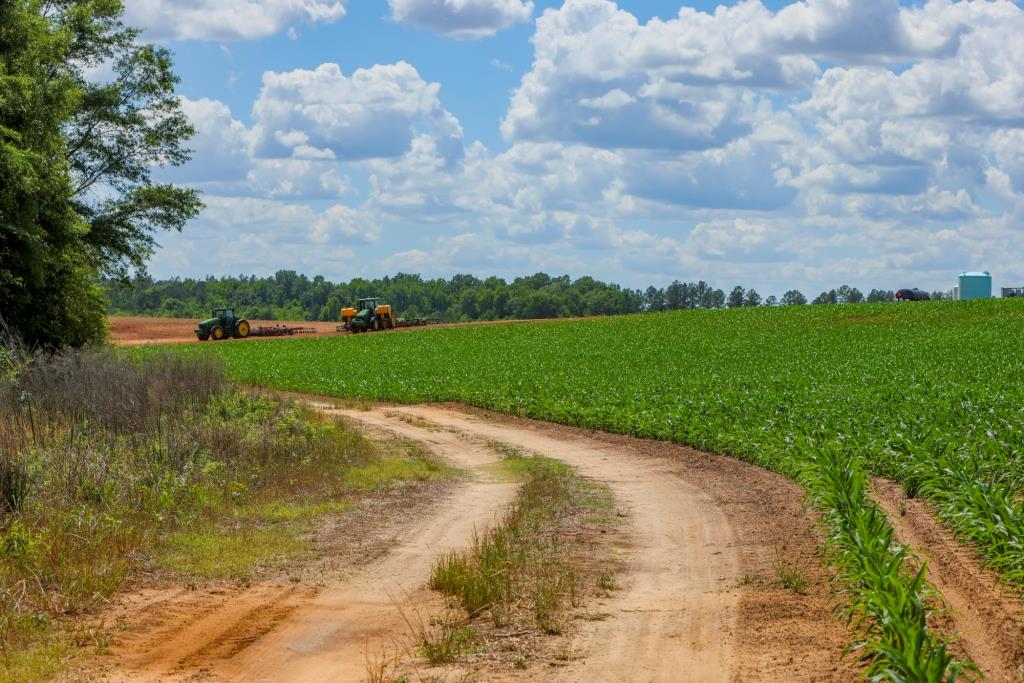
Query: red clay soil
[
  {"x": 145, "y": 330},
  {"x": 134, "y": 330}
]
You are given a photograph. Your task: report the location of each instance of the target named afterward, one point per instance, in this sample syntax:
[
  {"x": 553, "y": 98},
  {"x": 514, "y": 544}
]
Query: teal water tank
[{"x": 975, "y": 286}]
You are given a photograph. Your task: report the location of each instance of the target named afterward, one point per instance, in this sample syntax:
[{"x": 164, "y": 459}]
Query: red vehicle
[{"x": 914, "y": 294}]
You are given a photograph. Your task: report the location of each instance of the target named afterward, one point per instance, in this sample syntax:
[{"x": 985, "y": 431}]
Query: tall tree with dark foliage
[{"x": 77, "y": 198}]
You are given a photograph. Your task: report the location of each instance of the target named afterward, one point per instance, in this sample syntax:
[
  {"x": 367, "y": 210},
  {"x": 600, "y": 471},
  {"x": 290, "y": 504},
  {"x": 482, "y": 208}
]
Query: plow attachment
[{"x": 280, "y": 331}]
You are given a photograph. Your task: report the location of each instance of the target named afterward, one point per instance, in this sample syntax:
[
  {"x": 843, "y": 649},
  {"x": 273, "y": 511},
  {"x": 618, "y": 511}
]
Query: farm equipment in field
[
  {"x": 222, "y": 324},
  {"x": 416, "y": 322},
  {"x": 369, "y": 315},
  {"x": 280, "y": 331}
]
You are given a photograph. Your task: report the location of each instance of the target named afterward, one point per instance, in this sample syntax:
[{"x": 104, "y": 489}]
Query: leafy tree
[
  {"x": 654, "y": 299},
  {"x": 772, "y": 300},
  {"x": 939, "y": 295},
  {"x": 539, "y": 304},
  {"x": 736, "y": 297},
  {"x": 849, "y": 295},
  {"x": 713, "y": 298},
  {"x": 793, "y": 298},
  {"x": 829, "y": 297},
  {"x": 702, "y": 295},
  {"x": 675, "y": 295},
  {"x": 288, "y": 295},
  {"x": 878, "y": 296},
  {"x": 76, "y": 195},
  {"x": 752, "y": 298}
]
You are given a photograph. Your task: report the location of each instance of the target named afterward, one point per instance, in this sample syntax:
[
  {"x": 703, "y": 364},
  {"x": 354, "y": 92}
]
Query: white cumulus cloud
[
  {"x": 376, "y": 112},
  {"x": 226, "y": 19},
  {"x": 461, "y": 19}
]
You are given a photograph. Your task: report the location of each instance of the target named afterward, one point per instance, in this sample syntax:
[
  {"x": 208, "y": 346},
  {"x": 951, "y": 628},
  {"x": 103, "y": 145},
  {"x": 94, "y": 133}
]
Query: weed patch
[
  {"x": 395, "y": 470},
  {"x": 534, "y": 567},
  {"x": 218, "y": 553}
]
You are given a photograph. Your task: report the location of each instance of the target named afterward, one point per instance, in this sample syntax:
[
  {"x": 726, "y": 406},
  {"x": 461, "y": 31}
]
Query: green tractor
[
  {"x": 221, "y": 325},
  {"x": 369, "y": 314}
]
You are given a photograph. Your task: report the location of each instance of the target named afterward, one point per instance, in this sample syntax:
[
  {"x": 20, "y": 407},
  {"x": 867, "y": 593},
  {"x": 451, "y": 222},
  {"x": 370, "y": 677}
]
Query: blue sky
[{"x": 771, "y": 144}]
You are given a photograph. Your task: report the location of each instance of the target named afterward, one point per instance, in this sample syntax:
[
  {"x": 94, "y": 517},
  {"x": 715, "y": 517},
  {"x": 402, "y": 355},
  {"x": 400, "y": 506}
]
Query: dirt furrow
[{"x": 987, "y": 617}]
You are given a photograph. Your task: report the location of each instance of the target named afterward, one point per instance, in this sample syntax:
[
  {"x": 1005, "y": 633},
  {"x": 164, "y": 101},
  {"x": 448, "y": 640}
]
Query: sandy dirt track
[
  {"x": 698, "y": 598},
  {"x": 280, "y": 634},
  {"x": 697, "y": 524}
]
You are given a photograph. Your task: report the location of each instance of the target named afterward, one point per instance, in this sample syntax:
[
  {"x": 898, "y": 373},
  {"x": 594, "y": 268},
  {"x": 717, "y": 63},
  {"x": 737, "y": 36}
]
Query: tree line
[{"x": 288, "y": 295}]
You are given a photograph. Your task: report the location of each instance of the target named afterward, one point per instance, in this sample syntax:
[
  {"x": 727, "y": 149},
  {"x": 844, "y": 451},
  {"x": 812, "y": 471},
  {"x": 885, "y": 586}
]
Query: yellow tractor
[{"x": 368, "y": 315}]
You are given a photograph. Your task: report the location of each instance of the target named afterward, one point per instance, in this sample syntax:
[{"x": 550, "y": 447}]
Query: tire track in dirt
[
  {"x": 987, "y": 616},
  {"x": 697, "y": 525},
  {"x": 171, "y": 637},
  {"x": 280, "y": 634}
]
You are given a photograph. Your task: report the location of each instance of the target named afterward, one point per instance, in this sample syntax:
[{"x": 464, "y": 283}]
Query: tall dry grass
[{"x": 103, "y": 454}]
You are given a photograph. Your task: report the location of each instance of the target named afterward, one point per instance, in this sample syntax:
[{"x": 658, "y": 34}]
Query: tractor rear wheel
[
  {"x": 242, "y": 329},
  {"x": 217, "y": 332}
]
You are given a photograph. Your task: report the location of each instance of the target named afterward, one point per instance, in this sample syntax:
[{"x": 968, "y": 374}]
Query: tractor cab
[
  {"x": 224, "y": 314},
  {"x": 367, "y": 306}
]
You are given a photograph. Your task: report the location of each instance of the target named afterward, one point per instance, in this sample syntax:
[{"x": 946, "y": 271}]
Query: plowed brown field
[
  {"x": 133, "y": 330},
  {"x": 145, "y": 330}
]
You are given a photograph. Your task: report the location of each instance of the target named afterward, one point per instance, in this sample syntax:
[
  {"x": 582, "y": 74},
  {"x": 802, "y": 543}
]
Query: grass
[
  {"x": 790, "y": 576},
  {"x": 447, "y": 642},
  {"x": 389, "y": 472},
  {"x": 41, "y": 658},
  {"x": 530, "y": 568},
  {"x": 927, "y": 395},
  {"x": 213, "y": 552},
  {"x": 285, "y": 511},
  {"x": 177, "y": 469}
]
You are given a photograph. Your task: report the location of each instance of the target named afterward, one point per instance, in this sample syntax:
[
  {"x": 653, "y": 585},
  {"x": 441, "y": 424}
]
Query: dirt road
[
  {"x": 699, "y": 598},
  {"x": 698, "y": 535},
  {"x": 279, "y": 634}
]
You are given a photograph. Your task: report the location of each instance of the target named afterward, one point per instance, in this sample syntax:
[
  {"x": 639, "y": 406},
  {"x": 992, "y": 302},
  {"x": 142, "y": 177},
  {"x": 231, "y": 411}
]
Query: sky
[{"x": 771, "y": 144}]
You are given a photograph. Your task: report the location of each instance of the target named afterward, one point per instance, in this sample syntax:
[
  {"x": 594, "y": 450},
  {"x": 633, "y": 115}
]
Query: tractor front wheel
[
  {"x": 242, "y": 329},
  {"x": 217, "y": 332},
  {"x": 203, "y": 337}
]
